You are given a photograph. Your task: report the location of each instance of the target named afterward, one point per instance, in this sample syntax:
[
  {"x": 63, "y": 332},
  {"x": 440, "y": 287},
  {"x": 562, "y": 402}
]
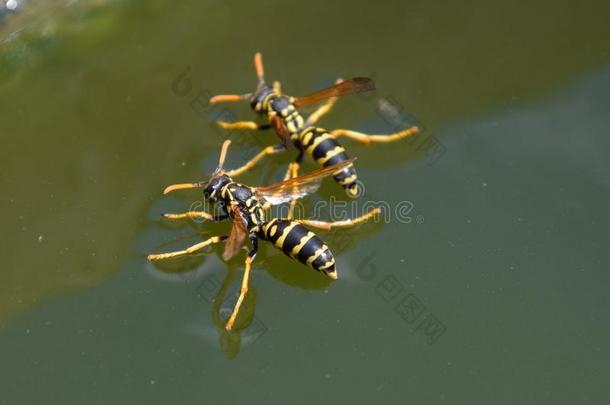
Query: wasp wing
[
  {"x": 346, "y": 87},
  {"x": 237, "y": 235},
  {"x": 300, "y": 186},
  {"x": 281, "y": 130}
]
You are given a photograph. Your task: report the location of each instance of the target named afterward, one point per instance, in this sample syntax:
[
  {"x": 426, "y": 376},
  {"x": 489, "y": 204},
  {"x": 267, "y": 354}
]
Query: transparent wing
[
  {"x": 300, "y": 186},
  {"x": 346, "y": 87},
  {"x": 289, "y": 195}
]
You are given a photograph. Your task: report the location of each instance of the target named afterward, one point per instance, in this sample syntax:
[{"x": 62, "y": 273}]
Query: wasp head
[
  {"x": 212, "y": 189},
  {"x": 258, "y": 101}
]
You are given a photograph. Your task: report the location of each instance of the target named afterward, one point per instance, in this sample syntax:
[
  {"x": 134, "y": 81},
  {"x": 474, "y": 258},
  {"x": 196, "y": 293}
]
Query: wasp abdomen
[
  {"x": 326, "y": 151},
  {"x": 298, "y": 242}
]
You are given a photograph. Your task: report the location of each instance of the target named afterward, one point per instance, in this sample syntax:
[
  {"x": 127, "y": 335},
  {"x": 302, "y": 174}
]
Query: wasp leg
[
  {"x": 277, "y": 87},
  {"x": 190, "y": 215},
  {"x": 269, "y": 150},
  {"x": 323, "y": 109},
  {"x": 340, "y": 224},
  {"x": 196, "y": 214},
  {"x": 189, "y": 250},
  {"x": 288, "y": 174},
  {"x": 244, "y": 284},
  {"x": 242, "y": 125},
  {"x": 364, "y": 138},
  {"x": 294, "y": 172}
]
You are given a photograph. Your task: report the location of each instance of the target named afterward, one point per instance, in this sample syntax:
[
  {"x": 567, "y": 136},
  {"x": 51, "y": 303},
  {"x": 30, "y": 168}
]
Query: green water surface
[{"x": 492, "y": 290}]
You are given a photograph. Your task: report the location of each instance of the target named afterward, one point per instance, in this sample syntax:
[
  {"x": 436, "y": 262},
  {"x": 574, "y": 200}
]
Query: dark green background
[{"x": 507, "y": 247}]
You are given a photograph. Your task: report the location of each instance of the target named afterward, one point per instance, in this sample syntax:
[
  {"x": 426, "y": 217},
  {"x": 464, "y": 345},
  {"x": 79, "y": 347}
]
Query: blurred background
[{"x": 495, "y": 290}]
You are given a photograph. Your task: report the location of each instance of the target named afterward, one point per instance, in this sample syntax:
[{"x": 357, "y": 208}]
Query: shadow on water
[{"x": 221, "y": 295}]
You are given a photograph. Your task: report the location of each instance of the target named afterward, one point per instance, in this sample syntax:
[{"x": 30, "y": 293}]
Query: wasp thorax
[{"x": 281, "y": 105}]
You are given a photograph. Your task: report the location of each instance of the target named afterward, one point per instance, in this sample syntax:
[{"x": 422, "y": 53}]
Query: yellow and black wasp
[
  {"x": 245, "y": 206},
  {"x": 282, "y": 115}
]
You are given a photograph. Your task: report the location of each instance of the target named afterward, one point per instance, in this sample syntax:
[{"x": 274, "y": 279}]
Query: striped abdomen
[
  {"x": 298, "y": 242},
  {"x": 326, "y": 151}
]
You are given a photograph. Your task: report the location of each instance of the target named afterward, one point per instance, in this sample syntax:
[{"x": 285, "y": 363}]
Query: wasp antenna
[
  {"x": 229, "y": 98},
  {"x": 182, "y": 186},
  {"x": 223, "y": 154},
  {"x": 260, "y": 70}
]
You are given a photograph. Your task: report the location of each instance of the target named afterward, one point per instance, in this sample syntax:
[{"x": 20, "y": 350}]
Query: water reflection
[{"x": 217, "y": 292}]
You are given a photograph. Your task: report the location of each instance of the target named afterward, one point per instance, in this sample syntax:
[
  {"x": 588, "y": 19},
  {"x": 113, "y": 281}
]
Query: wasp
[
  {"x": 283, "y": 115},
  {"x": 246, "y": 206}
]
